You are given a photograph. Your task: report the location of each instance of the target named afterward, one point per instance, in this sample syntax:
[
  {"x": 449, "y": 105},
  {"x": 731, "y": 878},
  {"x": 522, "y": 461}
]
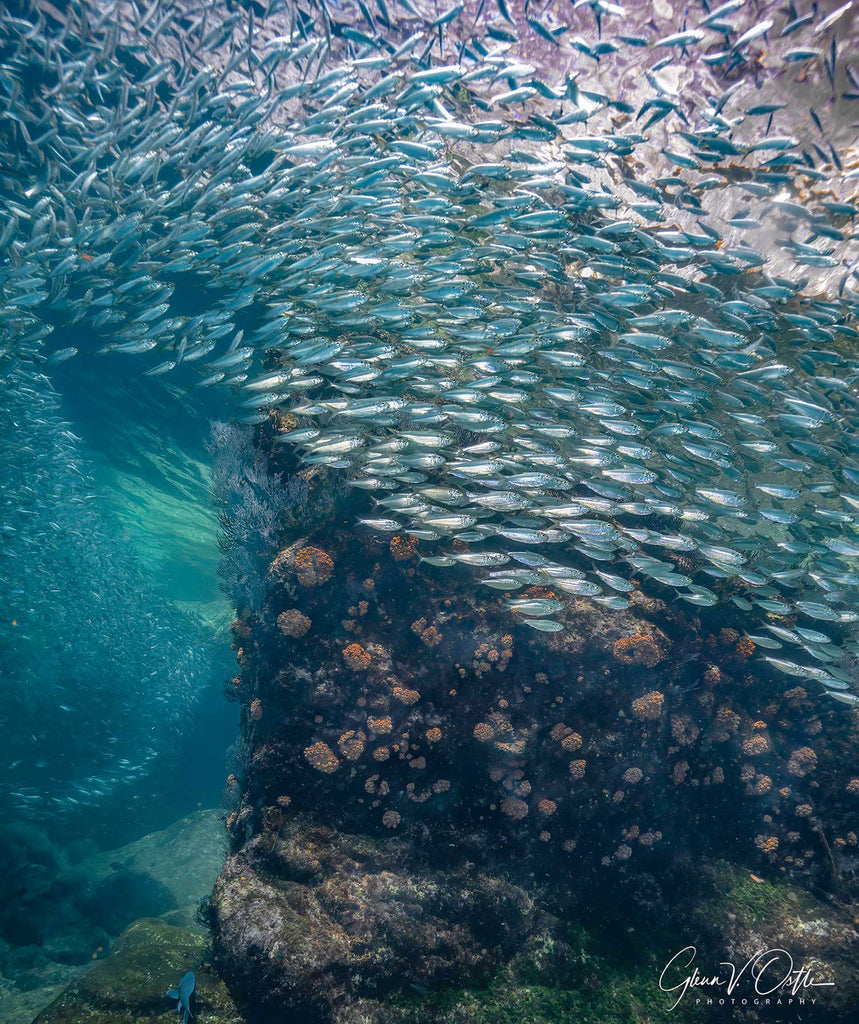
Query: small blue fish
[{"x": 187, "y": 985}]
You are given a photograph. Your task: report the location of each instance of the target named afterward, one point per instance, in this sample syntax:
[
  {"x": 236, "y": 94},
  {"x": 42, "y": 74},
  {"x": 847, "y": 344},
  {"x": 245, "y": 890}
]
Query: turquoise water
[
  {"x": 115, "y": 647},
  {"x": 147, "y": 449},
  {"x": 115, "y": 615}
]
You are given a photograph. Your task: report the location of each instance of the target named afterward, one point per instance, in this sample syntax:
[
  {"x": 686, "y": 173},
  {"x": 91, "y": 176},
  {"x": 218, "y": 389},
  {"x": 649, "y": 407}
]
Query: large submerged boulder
[
  {"x": 381, "y": 695},
  {"x": 69, "y": 915},
  {"x": 422, "y": 774},
  {"x": 312, "y": 920},
  {"x": 162, "y": 873},
  {"x": 741, "y": 915}
]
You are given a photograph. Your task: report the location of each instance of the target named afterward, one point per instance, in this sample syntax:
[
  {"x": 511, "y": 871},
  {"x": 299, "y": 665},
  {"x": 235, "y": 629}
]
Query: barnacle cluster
[
  {"x": 430, "y": 635},
  {"x": 403, "y": 548},
  {"x": 766, "y": 844},
  {"x": 380, "y": 726},
  {"x": 313, "y": 566},
  {"x": 756, "y": 745},
  {"x": 648, "y": 707},
  {"x": 745, "y": 647},
  {"x": 514, "y": 808},
  {"x": 322, "y": 757},
  {"x": 351, "y": 744},
  {"x": 803, "y": 761},
  {"x": 639, "y": 649},
  {"x": 293, "y": 623},
  {"x": 356, "y": 657}
]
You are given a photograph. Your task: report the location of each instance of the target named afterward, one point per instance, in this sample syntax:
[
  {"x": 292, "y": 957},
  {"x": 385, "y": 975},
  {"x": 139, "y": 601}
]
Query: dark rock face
[
  {"x": 33, "y": 907},
  {"x": 380, "y": 694},
  {"x": 741, "y": 914},
  {"x": 420, "y": 769},
  {"x": 317, "y": 919},
  {"x": 329, "y": 928}
]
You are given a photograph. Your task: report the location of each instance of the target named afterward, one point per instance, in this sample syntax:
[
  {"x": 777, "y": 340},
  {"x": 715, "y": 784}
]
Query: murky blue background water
[{"x": 134, "y": 751}]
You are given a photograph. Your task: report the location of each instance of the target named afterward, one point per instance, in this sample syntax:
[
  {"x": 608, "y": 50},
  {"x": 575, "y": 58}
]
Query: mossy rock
[
  {"x": 130, "y": 984},
  {"x": 564, "y": 973},
  {"x": 621, "y": 1000},
  {"x": 752, "y": 899},
  {"x": 743, "y": 914},
  {"x": 356, "y": 922}
]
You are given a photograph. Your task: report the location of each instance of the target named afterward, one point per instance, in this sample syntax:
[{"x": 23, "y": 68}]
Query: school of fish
[
  {"x": 101, "y": 675},
  {"x": 580, "y": 295}
]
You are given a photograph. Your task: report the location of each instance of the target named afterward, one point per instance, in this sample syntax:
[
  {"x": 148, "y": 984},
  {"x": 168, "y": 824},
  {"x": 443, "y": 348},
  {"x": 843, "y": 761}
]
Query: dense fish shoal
[{"x": 570, "y": 302}]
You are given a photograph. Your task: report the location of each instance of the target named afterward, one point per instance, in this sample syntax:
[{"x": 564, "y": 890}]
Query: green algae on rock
[
  {"x": 743, "y": 914},
  {"x": 129, "y": 985}
]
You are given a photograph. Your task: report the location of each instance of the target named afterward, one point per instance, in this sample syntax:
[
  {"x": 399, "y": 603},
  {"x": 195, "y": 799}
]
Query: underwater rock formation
[
  {"x": 405, "y": 697},
  {"x": 609, "y": 753},
  {"x": 319, "y": 925},
  {"x": 311, "y": 920},
  {"x": 123, "y": 897},
  {"x": 742, "y": 914},
  {"x": 58, "y": 916},
  {"x": 521, "y": 294}
]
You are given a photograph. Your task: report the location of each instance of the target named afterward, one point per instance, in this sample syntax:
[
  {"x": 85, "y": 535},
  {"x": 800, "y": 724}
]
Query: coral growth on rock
[
  {"x": 416, "y": 709},
  {"x": 313, "y": 567},
  {"x": 639, "y": 649},
  {"x": 513, "y": 718},
  {"x": 293, "y": 623},
  {"x": 356, "y": 657}
]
